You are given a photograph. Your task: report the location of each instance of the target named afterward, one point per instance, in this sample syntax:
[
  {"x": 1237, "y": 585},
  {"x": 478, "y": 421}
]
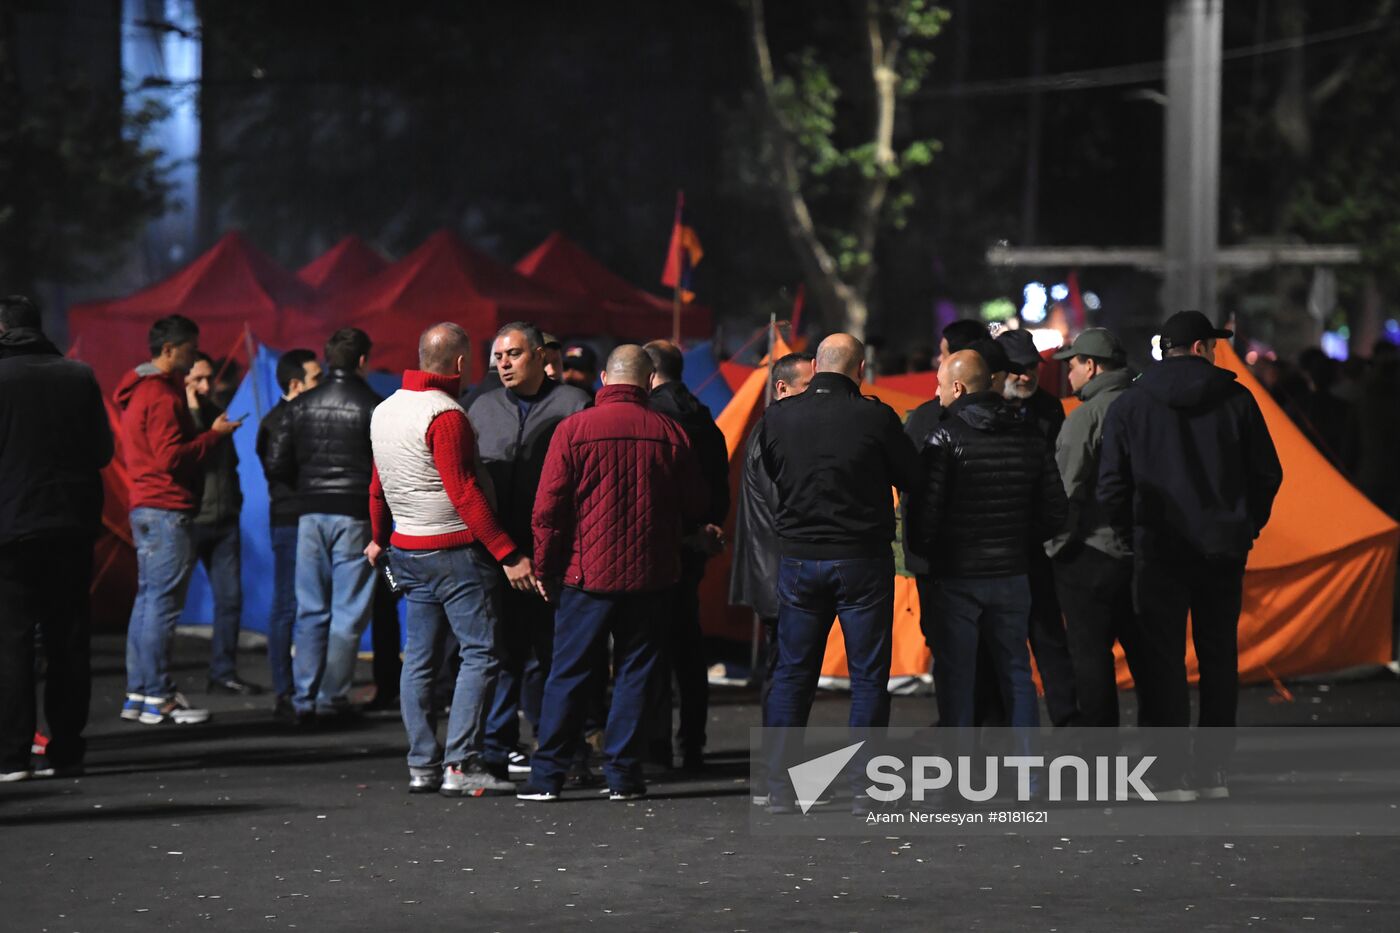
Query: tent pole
[
  {"x": 252, "y": 362},
  {"x": 676, "y": 315}
]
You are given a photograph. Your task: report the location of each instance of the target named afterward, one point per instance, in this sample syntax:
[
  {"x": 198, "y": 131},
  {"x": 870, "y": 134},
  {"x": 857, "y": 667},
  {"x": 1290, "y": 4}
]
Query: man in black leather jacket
[
  {"x": 990, "y": 488},
  {"x": 322, "y": 449}
]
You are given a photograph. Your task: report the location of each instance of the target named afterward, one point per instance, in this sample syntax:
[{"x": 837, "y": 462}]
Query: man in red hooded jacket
[
  {"x": 164, "y": 457},
  {"x": 619, "y": 484}
]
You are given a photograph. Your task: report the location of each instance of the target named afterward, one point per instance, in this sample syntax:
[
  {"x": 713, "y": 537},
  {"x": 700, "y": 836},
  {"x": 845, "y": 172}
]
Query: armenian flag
[{"x": 683, "y": 255}]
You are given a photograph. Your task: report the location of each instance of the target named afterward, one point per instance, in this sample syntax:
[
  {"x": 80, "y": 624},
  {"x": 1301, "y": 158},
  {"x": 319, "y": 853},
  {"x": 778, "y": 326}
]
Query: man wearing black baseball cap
[
  {"x": 1189, "y": 466},
  {"x": 1049, "y": 646},
  {"x": 581, "y": 367}
]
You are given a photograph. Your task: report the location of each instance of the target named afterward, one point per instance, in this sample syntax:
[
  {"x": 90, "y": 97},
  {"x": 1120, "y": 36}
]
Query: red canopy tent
[
  {"x": 629, "y": 312},
  {"x": 442, "y": 280},
  {"x": 231, "y": 285},
  {"x": 346, "y": 264}
]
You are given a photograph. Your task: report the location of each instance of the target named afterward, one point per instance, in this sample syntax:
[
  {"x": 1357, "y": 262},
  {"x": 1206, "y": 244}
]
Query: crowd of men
[{"x": 547, "y": 539}]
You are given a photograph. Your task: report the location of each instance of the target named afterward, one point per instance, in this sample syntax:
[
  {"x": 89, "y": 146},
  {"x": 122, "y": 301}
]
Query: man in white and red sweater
[{"x": 447, "y": 548}]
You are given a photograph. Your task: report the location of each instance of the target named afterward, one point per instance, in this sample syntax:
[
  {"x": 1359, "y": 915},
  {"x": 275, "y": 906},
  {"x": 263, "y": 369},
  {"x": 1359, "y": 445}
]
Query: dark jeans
[
  {"x": 1163, "y": 593},
  {"x": 1049, "y": 647},
  {"x": 682, "y": 653},
  {"x": 385, "y": 641},
  {"x": 527, "y": 634},
  {"x": 1096, "y": 593},
  {"x": 994, "y": 610},
  {"x": 811, "y": 594},
  {"x": 581, "y": 628},
  {"x": 282, "y": 619},
  {"x": 219, "y": 549},
  {"x": 44, "y": 587}
]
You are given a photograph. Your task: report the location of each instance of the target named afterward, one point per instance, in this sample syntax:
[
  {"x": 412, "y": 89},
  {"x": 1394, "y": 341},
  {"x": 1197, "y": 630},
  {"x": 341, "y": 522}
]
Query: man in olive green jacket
[{"x": 1093, "y": 563}]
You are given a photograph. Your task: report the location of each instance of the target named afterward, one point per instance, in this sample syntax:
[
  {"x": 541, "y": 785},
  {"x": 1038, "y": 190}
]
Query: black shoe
[
  {"x": 284, "y": 712},
  {"x": 303, "y": 722},
  {"x": 693, "y": 761},
  {"x": 233, "y": 686},
  {"x": 383, "y": 703}
]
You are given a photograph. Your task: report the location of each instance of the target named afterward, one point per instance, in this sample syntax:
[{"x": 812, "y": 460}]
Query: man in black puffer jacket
[
  {"x": 990, "y": 488},
  {"x": 682, "y": 650},
  {"x": 322, "y": 449}
]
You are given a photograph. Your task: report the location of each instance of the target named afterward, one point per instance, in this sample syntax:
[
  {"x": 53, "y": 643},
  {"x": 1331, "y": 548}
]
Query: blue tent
[
  {"x": 256, "y": 396},
  {"x": 702, "y": 376}
]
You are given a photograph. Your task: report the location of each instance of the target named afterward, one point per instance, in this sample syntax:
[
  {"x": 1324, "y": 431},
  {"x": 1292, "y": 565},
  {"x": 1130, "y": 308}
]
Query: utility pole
[{"x": 1191, "y": 205}]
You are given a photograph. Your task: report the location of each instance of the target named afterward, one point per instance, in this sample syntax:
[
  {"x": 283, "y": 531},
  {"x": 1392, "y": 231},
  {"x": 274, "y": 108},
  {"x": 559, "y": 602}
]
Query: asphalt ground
[{"x": 240, "y": 825}]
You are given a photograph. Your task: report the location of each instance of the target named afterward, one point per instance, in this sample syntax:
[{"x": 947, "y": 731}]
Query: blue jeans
[
  {"x": 335, "y": 594},
  {"x": 284, "y": 609},
  {"x": 996, "y": 610},
  {"x": 581, "y": 628},
  {"x": 219, "y": 549},
  {"x": 811, "y": 594},
  {"x": 164, "y": 562},
  {"x": 456, "y": 589}
]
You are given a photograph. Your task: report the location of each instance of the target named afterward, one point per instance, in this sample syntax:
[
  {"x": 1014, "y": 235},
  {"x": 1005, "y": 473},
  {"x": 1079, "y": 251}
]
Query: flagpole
[
  {"x": 757, "y": 638},
  {"x": 676, "y": 316}
]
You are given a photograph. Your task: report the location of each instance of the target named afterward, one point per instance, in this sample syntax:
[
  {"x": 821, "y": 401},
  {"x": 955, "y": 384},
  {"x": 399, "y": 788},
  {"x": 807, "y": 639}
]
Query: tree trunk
[{"x": 839, "y": 305}]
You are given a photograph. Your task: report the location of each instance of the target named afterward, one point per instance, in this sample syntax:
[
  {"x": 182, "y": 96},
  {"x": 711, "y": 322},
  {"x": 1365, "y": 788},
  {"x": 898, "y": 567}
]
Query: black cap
[
  {"x": 582, "y": 357},
  {"x": 1186, "y": 327},
  {"x": 1020, "y": 349},
  {"x": 995, "y": 357}
]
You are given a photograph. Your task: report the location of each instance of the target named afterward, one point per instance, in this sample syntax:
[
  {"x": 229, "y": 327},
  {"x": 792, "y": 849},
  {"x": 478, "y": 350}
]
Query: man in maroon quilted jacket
[{"x": 620, "y": 481}]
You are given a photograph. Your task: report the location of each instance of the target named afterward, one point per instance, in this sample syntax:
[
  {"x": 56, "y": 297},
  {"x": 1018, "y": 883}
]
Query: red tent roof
[
  {"x": 630, "y": 313},
  {"x": 232, "y": 284},
  {"x": 442, "y": 280},
  {"x": 347, "y": 263}
]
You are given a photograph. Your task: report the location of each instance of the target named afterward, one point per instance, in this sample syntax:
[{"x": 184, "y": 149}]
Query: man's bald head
[
  {"x": 962, "y": 373},
  {"x": 628, "y": 365},
  {"x": 442, "y": 349},
  {"x": 841, "y": 353}
]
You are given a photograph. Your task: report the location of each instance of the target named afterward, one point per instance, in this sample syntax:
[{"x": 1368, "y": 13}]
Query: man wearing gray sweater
[{"x": 514, "y": 425}]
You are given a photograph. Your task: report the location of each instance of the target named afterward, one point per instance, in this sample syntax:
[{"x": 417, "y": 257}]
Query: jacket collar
[
  {"x": 987, "y": 399},
  {"x": 833, "y": 384},
  {"x": 26, "y": 341},
  {"x": 613, "y": 394},
  {"x": 1105, "y": 382},
  {"x": 416, "y": 380}
]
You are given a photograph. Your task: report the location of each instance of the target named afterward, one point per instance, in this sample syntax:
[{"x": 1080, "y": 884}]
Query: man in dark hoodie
[
  {"x": 514, "y": 425},
  {"x": 165, "y": 455},
  {"x": 1189, "y": 466},
  {"x": 990, "y": 489},
  {"x": 54, "y": 440},
  {"x": 682, "y": 646}
]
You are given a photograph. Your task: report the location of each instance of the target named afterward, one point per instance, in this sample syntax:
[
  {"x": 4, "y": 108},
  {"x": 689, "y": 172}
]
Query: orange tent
[{"x": 1317, "y": 589}]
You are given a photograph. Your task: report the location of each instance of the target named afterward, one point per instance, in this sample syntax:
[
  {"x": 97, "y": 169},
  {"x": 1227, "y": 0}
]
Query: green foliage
[
  {"x": 831, "y": 126},
  {"x": 86, "y": 183}
]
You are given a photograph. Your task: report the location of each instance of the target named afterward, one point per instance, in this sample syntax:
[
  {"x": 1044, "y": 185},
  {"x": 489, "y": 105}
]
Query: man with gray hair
[
  {"x": 427, "y": 487},
  {"x": 513, "y": 426},
  {"x": 620, "y": 483}
]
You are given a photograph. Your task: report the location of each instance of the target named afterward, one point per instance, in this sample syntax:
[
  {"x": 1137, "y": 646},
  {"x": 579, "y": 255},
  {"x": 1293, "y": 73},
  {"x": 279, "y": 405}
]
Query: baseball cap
[
  {"x": 1020, "y": 349},
  {"x": 1096, "y": 342},
  {"x": 582, "y": 357},
  {"x": 995, "y": 356},
  {"x": 550, "y": 342},
  {"x": 1186, "y": 327}
]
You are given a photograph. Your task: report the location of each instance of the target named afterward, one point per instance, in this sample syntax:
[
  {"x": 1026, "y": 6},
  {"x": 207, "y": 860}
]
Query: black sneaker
[
  {"x": 626, "y": 793},
  {"x": 517, "y": 762},
  {"x": 537, "y": 794},
  {"x": 233, "y": 686},
  {"x": 1212, "y": 785}
]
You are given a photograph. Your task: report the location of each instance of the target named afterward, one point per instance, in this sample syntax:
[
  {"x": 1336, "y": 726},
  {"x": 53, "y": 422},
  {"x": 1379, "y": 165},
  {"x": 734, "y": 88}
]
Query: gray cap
[{"x": 1096, "y": 342}]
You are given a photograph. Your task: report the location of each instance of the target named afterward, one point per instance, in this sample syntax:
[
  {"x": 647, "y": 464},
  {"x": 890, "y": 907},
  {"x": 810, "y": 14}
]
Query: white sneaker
[
  {"x": 131, "y": 708},
  {"x": 175, "y": 709},
  {"x": 9, "y": 777}
]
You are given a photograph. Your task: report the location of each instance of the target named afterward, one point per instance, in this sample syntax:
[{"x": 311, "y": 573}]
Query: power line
[{"x": 1122, "y": 75}]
